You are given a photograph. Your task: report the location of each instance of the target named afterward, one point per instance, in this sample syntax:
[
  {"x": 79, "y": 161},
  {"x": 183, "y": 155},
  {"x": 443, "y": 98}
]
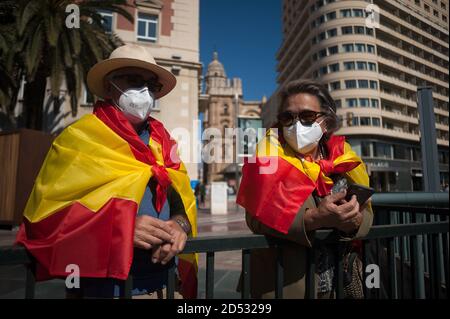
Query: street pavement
[{"x": 227, "y": 264}]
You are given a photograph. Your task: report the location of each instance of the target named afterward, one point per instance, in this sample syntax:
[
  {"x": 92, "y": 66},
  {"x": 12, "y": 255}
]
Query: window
[
  {"x": 333, "y": 50},
  {"x": 321, "y": 20},
  {"x": 347, "y": 30},
  {"x": 331, "y": 16},
  {"x": 372, "y": 66},
  {"x": 400, "y": 152},
  {"x": 323, "y": 70},
  {"x": 322, "y": 36},
  {"x": 348, "y": 47},
  {"x": 435, "y": 13},
  {"x": 315, "y": 57},
  {"x": 364, "y": 102},
  {"x": 338, "y": 102},
  {"x": 226, "y": 109},
  {"x": 363, "y": 84},
  {"x": 349, "y": 65},
  {"x": 370, "y": 48},
  {"x": 361, "y": 65},
  {"x": 335, "y": 86},
  {"x": 374, "y": 85},
  {"x": 358, "y": 13},
  {"x": 107, "y": 20},
  {"x": 365, "y": 148},
  {"x": 334, "y": 67},
  {"x": 444, "y": 18},
  {"x": 350, "y": 84},
  {"x": 427, "y": 8},
  {"x": 364, "y": 121},
  {"x": 369, "y": 31},
  {"x": 351, "y": 102},
  {"x": 147, "y": 27},
  {"x": 322, "y": 53},
  {"x": 376, "y": 121},
  {"x": 382, "y": 150},
  {"x": 416, "y": 154},
  {"x": 355, "y": 121},
  {"x": 332, "y": 33},
  {"x": 443, "y": 157},
  {"x": 374, "y": 103},
  {"x": 360, "y": 47},
  {"x": 346, "y": 13},
  {"x": 88, "y": 98},
  {"x": 359, "y": 30},
  {"x": 388, "y": 125}
]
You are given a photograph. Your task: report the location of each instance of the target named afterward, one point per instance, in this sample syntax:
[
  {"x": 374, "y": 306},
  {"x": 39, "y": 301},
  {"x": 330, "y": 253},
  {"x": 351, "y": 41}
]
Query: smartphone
[{"x": 363, "y": 193}]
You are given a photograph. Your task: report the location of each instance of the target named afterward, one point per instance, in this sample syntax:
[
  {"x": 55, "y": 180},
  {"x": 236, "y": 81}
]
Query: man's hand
[
  {"x": 165, "y": 252},
  {"x": 150, "y": 232},
  {"x": 329, "y": 214}
]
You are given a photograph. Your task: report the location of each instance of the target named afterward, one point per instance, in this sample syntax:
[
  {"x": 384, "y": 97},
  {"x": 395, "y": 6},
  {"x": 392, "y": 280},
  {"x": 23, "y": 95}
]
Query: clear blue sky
[{"x": 247, "y": 35}]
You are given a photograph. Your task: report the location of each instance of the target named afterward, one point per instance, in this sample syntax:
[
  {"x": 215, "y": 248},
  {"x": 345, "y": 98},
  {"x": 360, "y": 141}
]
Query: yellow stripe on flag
[{"x": 90, "y": 164}]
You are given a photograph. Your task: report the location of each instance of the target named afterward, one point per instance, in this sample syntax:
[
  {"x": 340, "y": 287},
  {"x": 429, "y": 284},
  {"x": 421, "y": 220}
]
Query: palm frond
[{"x": 30, "y": 11}]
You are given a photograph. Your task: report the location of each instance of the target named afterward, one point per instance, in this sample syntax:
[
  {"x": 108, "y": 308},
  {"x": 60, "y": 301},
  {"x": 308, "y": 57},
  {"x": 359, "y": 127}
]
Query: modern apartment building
[{"x": 373, "y": 71}]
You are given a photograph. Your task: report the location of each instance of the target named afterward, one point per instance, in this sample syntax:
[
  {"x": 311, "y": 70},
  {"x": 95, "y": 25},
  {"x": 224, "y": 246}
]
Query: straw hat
[{"x": 129, "y": 55}]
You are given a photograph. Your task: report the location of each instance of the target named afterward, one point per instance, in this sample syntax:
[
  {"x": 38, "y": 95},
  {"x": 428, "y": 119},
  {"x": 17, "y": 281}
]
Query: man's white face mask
[
  {"x": 303, "y": 138},
  {"x": 135, "y": 103}
]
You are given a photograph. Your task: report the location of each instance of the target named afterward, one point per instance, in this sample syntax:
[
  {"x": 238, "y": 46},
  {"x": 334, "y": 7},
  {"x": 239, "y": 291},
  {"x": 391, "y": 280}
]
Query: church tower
[{"x": 219, "y": 106}]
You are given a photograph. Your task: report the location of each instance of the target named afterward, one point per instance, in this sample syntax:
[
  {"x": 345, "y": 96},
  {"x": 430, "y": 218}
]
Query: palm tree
[
  {"x": 9, "y": 83},
  {"x": 44, "y": 47}
]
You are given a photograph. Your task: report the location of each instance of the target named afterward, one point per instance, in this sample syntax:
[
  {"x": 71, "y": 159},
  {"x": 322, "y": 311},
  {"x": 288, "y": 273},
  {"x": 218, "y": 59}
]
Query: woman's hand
[
  {"x": 150, "y": 232},
  {"x": 165, "y": 252},
  {"x": 353, "y": 224},
  {"x": 330, "y": 213}
]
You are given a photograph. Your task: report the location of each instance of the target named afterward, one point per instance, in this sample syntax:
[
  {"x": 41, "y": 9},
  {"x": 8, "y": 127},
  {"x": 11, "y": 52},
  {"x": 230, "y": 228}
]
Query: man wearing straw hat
[{"x": 113, "y": 197}]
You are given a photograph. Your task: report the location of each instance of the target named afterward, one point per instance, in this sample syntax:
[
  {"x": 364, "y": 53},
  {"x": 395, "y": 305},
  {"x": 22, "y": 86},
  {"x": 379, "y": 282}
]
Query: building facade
[
  {"x": 373, "y": 69},
  {"x": 223, "y": 108},
  {"x": 169, "y": 29}
]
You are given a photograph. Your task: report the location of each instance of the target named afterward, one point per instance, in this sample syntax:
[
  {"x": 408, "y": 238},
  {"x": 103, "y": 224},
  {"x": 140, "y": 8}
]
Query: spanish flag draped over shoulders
[
  {"x": 276, "y": 182},
  {"x": 83, "y": 206}
]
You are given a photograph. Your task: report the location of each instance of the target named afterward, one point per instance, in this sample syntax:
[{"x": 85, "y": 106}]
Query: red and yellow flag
[
  {"x": 276, "y": 182},
  {"x": 83, "y": 206}
]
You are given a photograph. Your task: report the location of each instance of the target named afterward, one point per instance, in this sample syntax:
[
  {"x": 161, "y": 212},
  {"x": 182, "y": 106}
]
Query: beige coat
[{"x": 262, "y": 269}]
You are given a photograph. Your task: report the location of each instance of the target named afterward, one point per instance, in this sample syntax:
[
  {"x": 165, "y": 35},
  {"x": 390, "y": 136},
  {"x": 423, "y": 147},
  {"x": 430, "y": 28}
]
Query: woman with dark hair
[{"x": 301, "y": 194}]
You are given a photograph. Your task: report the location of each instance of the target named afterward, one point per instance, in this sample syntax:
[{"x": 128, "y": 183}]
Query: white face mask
[
  {"x": 135, "y": 104},
  {"x": 302, "y": 138}
]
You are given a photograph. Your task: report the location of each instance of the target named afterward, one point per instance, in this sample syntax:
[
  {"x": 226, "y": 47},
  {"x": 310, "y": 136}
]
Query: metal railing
[{"x": 418, "y": 238}]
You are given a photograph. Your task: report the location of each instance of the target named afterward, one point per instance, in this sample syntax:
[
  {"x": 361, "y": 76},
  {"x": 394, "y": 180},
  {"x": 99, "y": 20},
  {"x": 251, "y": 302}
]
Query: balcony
[
  {"x": 378, "y": 131},
  {"x": 409, "y": 242}
]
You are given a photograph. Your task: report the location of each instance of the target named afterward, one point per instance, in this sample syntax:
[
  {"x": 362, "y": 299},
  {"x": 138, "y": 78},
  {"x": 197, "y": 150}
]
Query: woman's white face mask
[
  {"x": 302, "y": 138},
  {"x": 135, "y": 103}
]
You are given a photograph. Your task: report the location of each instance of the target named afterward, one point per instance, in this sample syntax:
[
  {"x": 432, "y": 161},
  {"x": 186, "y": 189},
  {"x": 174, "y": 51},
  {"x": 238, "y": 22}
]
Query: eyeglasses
[
  {"x": 289, "y": 118},
  {"x": 137, "y": 80}
]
